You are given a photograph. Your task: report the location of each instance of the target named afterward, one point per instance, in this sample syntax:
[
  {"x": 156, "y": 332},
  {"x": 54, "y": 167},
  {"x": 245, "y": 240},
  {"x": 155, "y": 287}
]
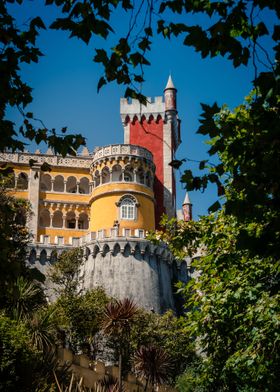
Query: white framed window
[
  {"x": 140, "y": 233},
  {"x": 46, "y": 239},
  {"x": 60, "y": 240},
  {"x": 127, "y": 207},
  {"x": 126, "y": 232},
  {"x": 75, "y": 241}
]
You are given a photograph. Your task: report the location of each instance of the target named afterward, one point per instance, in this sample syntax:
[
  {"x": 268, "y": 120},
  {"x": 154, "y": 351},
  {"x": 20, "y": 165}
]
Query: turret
[
  {"x": 187, "y": 208},
  {"x": 156, "y": 127},
  {"x": 170, "y": 96}
]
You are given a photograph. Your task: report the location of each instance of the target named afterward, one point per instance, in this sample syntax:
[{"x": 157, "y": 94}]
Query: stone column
[
  {"x": 51, "y": 220},
  {"x": 63, "y": 221},
  {"x": 134, "y": 175},
  {"x": 52, "y": 182},
  {"x": 77, "y": 221},
  {"x": 33, "y": 197},
  {"x": 111, "y": 175},
  {"x": 78, "y": 187}
]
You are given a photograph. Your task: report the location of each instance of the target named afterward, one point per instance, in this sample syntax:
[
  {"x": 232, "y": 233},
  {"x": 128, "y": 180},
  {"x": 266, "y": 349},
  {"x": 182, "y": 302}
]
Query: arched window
[
  {"x": 57, "y": 219},
  {"x": 128, "y": 207},
  {"x": 97, "y": 178},
  {"x": 128, "y": 174},
  {"x": 149, "y": 179},
  {"x": 105, "y": 175},
  {"x": 43, "y": 257},
  {"x": 71, "y": 185},
  {"x": 140, "y": 176},
  {"x": 83, "y": 221},
  {"x": 22, "y": 182},
  {"x": 45, "y": 219},
  {"x": 46, "y": 182},
  {"x": 84, "y": 185},
  {"x": 32, "y": 256},
  {"x": 70, "y": 220},
  {"x": 58, "y": 185},
  {"x": 116, "y": 173}
]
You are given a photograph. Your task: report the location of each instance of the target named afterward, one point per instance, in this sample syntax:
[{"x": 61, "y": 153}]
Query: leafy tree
[
  {"x": 234, "y": 30},
  {"x": 167, "y": 332},
  {"x": 65, "y": 273},
  {"x": 80, "y": 317},
  {"x": 22, "y": 366}
]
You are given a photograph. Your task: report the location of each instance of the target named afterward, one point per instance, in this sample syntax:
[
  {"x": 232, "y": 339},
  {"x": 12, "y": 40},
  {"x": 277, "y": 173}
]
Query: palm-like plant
[
  {"x": 116, "y": 322},
  {"x": 41, "y": 328},
  {"x": 152, "y": 364},
  {"x": 27, "y": 296}
]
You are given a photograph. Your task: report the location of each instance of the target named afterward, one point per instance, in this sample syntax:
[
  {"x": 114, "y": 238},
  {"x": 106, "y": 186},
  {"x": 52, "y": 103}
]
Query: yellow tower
[{"x": 122, "y": 198}]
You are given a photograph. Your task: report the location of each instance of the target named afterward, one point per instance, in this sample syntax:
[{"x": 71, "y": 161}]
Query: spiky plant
[
  {"x": 152, "y": 364},
  {"x": 117, "y": 318},
  {"x": 26, "y": 296},
  {"x": 41, "y": 328},
  {"x": 108, "y": 384}
]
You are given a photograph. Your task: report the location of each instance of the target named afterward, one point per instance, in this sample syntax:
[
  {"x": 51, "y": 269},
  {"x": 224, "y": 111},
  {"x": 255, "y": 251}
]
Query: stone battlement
[{"x": 131, "y": 108}]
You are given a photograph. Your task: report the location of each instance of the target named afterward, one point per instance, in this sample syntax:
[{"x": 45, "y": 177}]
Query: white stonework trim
[
  {"x": 33, "y": 197},
  {"x": 167, "y": 169},
  {"x": 140, "y": 233},
  {"x": 56, "y": 160},
  {"x": 154, "y": 106},
  {"x": 126, "y": 129},
  {"x": 126, "y": 232}
]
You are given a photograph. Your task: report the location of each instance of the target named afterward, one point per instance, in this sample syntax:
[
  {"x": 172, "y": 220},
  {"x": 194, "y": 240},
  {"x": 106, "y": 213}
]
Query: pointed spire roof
[
  {"x": 170, "y": 84},
  {"x": 187, "y": 199}
]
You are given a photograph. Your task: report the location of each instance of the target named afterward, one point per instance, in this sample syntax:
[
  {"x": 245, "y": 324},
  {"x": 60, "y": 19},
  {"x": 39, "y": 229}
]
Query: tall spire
[
  {"x": 170, "y": 84},
  {"x": 187, "y": 208}
]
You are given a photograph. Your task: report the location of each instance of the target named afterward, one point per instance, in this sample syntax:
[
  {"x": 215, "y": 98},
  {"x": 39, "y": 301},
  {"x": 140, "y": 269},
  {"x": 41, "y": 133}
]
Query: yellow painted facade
[
  {"x": 104, "y": 209},
  {"x": 86, "y": 194}
]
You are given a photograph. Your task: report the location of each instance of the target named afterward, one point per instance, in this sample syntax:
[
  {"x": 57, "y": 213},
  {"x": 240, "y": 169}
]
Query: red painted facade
[{"x": 149, "y": 134}]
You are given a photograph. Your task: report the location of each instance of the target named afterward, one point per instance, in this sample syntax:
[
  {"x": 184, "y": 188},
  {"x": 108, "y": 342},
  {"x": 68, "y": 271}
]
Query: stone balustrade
[{"x": 122, "y": 149}]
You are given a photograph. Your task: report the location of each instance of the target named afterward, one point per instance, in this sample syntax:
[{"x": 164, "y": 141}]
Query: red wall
[{"x": 150, "y": 135}]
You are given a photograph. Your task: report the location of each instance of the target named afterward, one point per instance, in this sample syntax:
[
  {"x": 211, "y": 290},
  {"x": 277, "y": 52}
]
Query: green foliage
[
  {"x": 24, "y": 298},
  {"x": 65, "y": 273},
  {"x": 81, "y": 315},
  {"x": 22, "y": 366},
  {"x": 152, "y": 364},
  {"x": 16, "y": 354},
  {"x": 165, "y": 331},
  {"x": 234, "y": 30},
  {"x": 233, "y": 306},
  {"x": 18, "y": 46},
  {"x": 14, "y": 237}
]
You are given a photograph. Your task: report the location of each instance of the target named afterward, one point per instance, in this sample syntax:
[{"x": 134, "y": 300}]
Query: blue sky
[{"x": 65, "y": 94}]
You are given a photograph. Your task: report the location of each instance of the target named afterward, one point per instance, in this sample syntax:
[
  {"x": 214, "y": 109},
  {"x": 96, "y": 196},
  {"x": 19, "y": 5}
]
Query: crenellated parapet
[
  {"x": 133, "y": 109},
  {"x": 128, "y": 246}
]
